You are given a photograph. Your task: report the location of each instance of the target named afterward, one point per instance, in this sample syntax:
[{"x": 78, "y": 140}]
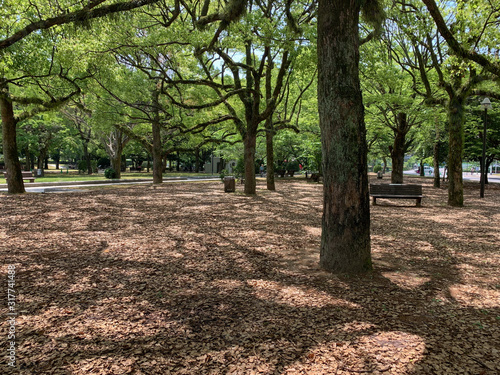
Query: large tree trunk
[
  {"x": 116, "y": 164},
  {"x": 456, "y": 144},
  {"x": 249, "y": 143},
  {"x": 15, "y": 184},
  {"x": 270, "y": 154},
  {"x": 398, "y": 149},
  {"x": 345, "y": 240},
  {"x": 157, "y": 154}
]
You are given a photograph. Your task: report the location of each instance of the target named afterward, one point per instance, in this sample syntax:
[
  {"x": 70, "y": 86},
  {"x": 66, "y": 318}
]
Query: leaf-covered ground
[{"x": 186, "y": 279}]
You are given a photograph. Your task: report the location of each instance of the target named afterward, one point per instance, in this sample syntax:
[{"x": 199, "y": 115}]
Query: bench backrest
[{"x": 395, "y": 189}]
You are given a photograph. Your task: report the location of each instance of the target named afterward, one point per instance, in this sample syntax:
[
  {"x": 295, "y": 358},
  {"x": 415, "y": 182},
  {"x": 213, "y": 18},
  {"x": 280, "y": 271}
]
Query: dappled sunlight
[
  {"x": 295, "y": 296},
  {"x": 184, "y": 278},
  {"x": 476, "y": 296},
  {"x": 407, "y": 280}
]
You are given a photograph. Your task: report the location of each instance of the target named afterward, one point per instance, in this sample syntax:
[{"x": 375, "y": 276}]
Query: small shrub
[
  {"x": 377, "y": 168},
  {"x": 223, "y": 174},
  {"x": 110, "y": 173},
  {"x": 82, "y": 166}
]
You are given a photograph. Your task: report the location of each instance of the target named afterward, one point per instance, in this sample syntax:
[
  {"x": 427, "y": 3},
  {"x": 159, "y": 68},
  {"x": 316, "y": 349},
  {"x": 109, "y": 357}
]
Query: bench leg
[
  {"x": 419, "y": 202},
  {"x": 374, "y": 201}
]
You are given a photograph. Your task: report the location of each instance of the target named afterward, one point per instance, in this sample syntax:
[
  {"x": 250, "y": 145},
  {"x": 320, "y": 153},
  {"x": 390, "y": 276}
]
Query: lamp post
[{"x": 485, "y": 104}]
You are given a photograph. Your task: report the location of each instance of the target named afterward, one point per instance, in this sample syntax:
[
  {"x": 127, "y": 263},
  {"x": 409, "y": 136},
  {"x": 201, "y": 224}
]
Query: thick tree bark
[
  {"x": 116, "y": 164},
  {"x": 456, "y": 121},
  {"x": 249, "y": 143},
  {"x": 157, "y": 154},
  {"x": 398, "y": 148},
  {"x": 345, "y": 240},
  {"x": 270, "y": 154},
  {"x": 15, "y": 184}
]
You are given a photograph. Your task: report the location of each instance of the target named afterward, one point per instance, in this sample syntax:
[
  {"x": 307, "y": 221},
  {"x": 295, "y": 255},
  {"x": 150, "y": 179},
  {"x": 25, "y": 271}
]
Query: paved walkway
[
  {"x": 66, "y": 186},
  {"x": 492, "y": 178}
]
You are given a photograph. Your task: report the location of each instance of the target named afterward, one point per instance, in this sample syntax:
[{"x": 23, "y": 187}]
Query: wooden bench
[
  {"x": 284, "y": 172},
  {"x": 396, "y": 191},
  {"x": 27, "y": 175}
]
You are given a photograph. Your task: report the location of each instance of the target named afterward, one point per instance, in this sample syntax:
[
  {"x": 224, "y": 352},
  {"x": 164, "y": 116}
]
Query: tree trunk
[
  {"x": 249, "y": 143},
  {"x": 486, "y": 168},
  {"x": 28, "y": 165},
  {"x": 345, "y": 240},
  {"x": 422, "y": 168},
  {"x": 197, "y": 160},
  {"x": 156, "y": 129},
  {"x": 437, "y": 179},
  {"x": 270, "y": 154},
  {"x": 116, "y": 164},
  {"x": 269, "y": 126},
  {"x": 15, "y": 184},
  {"x": 57, "y": 159},
  {"x": 384, "y": 163},
  {"x": 398, "y": 149},
  {"x": 456, "y": 144},
  {"x": 40, "y": 162},
  {"x": 87, "y": 158}
]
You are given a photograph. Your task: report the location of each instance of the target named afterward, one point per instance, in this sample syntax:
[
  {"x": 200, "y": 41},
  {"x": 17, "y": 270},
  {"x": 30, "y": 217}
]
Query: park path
[{"x": 65, "y": 186}]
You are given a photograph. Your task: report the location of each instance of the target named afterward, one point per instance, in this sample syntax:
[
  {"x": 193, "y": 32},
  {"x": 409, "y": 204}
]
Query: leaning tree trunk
[
  {"x": 456, "y": 143},
  {"x": 249, "y": 143},
  {"x": 270, "y": 154},
  {"x": 15, "y": 184},
  {"x": 345, "y": 240}
]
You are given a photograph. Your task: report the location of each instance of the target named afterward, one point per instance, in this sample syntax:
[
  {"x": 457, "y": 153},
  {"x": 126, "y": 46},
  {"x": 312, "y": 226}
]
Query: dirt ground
[{"x": 186, "y": 279}]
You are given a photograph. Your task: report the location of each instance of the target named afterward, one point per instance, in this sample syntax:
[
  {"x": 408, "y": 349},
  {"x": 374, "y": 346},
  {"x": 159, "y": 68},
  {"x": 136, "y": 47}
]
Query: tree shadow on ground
[{"x": 191, "y": 280}]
